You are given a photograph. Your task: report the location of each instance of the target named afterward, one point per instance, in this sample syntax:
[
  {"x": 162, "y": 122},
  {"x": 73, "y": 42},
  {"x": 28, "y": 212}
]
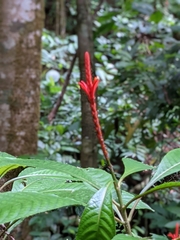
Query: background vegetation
[
  {"x": 137, "y": 58},
  {"x": 137, "y": 54}
]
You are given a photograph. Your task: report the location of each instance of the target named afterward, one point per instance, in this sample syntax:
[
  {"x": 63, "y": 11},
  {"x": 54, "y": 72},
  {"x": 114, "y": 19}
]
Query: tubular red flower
[
  {"x": 88, "y": 69},
  {"x": 89, "y": 87},
  {"x": 176, "y": 235},
  {"x": 85, "y": 88},
  {"x": 94, "y": 87}
]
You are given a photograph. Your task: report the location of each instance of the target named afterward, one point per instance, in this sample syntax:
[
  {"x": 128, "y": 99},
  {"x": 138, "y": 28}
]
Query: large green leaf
[
  {"x": 158, "y": 237},
  {"x": 49, "y": 181},
  {"x": 97, "y": 221},
  {"x": 170, "y": 164},
  {"x": 4, "y": 154},
  {"x": 35, "y": 179},
  {"x": 125, "y": 237},
  {"x": 133, "y": 166},
  {"x": 94, "y": 177},
  {"x": 4, "y": 170},
  {"x": 16, "y": 205}
]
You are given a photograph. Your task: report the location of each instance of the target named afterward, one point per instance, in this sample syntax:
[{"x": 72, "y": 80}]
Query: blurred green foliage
[{"x": 55, "y": 225}]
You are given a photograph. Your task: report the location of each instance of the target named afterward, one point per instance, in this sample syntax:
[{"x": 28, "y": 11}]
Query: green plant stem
[
  {"x": 133, "y": 209},
  {"x": 118, "y": 192},
  {"x": 103, "y": 147},
  {"x": 115, "y": 203},
  {"x": 119, "y": 221},
  {"x": 118, "y": 213},
  {"x": 137, "y": 198}
]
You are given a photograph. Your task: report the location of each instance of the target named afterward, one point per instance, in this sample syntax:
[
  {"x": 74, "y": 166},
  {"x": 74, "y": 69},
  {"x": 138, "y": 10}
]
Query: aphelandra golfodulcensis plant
[{"x": 89, "y": 87}]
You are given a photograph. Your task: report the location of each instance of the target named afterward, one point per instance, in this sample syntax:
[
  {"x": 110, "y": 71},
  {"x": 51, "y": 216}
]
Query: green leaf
[
  {"x": 158, "y": 237},
  {"x": 4, "y": 170},
  {"x": 174, "y": 208},
  {"x": 155, "y": 189},
  {"x": 162, "y": 186},
  {"x": 97, "y": 221},
  {"x": 170, "y": 164},
  {"x": 156, "y": 16},
  {"x": 144, "y": 8},
  {"x": 47, "y": 183},
  {"x": 69, "y": 149},
  {"x": 94, "y": 177},
  {"x": 107, "y": 16},
  {"x": 133, "y": 166},
  {"x": 126, "y": 196},
  {"x": 4, "y": 154},
  {"x": 100, "y": 177},
  {"x": 105, "y": 28},
  {"x": 16, "y": 205},
  {"x": 172, "y": 224},
  {"x": 53, "y": 182},
  {"x": 125, "y": 237}
]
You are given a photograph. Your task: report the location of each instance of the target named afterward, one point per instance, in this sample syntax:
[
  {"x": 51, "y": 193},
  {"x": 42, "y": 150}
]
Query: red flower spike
[
  {"x": 89, "y": 87},
  {"x": 88, "y": 69},
  {"x": 176, "y": 235},
  {"x": 85, "y": 88}
]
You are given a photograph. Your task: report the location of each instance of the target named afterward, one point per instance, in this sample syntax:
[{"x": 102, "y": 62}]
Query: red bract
[
  {"x": 89, "y": 87},
  {"x": 175, "y": 236}
]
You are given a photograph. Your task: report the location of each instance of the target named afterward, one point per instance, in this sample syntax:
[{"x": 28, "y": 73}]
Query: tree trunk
[
  {"x": 21, "y": 23},
  {"x": 85, "y": 43},
  {"x": 61, "y": 18}
]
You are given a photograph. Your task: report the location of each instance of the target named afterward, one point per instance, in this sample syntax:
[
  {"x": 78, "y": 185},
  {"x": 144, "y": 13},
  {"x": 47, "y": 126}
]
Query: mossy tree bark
[
  {"x": 21, "y": 23},
  {"x": 85, "y": 43}
]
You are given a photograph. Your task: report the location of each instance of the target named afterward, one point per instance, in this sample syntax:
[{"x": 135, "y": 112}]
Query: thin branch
[
  {"x": 54, "y": 111},
  {"x": 4, "y": 233},
  {"x": 97, "y": 9}
]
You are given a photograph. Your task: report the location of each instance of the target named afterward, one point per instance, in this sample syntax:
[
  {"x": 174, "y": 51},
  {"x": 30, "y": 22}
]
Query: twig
[
  {"x": 97, "y": 9},
  {"x": 4, "y": 233},
  {"x": 54, "y": 111}
]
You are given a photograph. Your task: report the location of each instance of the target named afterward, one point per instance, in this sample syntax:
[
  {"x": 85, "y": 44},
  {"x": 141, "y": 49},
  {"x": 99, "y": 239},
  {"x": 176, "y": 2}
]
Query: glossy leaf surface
[
  {"x": 126, "y": 196},
  {"x": 94, "y": 177},
  {"x": 23, "y": 204},
  {"x": 170, "y": 164},
  {"x": 97, "y": 221},
  {"x": 48, "y": 181},
  {"x": 125, "y": 237},
  {"x": 155, "y": 189},
  {"x": 133, "y": 166}
]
